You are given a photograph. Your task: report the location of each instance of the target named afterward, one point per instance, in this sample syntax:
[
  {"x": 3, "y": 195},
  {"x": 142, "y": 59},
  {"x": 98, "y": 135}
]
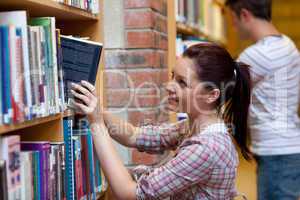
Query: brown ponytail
[{"x": 215, "y": 65}]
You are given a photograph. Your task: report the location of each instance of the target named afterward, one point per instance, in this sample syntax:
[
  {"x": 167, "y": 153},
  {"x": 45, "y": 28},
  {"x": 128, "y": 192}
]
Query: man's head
[{"x": 246, "y": 12}]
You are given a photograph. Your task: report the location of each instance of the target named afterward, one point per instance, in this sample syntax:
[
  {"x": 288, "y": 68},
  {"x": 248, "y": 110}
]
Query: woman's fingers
[
  {"x": 83, "y": 98},
  {"x": 89, "y": 86},
  {"x": 82, "y": 107},
  {"x": 84, "y": 91}
]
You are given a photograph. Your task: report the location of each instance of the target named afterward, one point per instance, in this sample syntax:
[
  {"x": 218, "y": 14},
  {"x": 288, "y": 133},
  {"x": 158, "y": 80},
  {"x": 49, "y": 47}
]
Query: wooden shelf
[
  {"x": 193, "y": 31},
  {"x": 68, "y": 113},
  {"x": 48, "y": 8},
  {"x": 14, "y": 127},
  {"x": 185, "y": 29},
  {"x": 219, "y": 3}
]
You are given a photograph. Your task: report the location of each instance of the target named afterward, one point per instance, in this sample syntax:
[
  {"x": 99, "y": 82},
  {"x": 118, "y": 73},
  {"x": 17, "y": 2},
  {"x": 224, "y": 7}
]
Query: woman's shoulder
[{"x": 216, "y": 138}]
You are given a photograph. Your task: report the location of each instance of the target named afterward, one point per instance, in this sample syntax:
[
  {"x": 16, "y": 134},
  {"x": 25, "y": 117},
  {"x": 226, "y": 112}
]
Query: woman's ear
[{"x": 213, "y": 96}]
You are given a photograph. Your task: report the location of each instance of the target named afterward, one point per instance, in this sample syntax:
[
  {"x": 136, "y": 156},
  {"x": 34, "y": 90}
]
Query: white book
[
  {"x": 46, "y": 104},
  {"x": 55, "y": 67},
  {"x": 13, "y": 67},
  {"x": 26, "y": 176},
  {"x": 19, "y": 19},
  {"x": 33, "y": 63}
]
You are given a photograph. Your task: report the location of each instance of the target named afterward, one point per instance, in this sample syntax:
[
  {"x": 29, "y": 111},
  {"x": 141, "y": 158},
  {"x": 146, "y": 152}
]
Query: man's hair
[{"x": 261, "y": 9}]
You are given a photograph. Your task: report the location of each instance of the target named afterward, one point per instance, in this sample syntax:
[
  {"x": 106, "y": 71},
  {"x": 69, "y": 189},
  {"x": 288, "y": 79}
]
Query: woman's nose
[{"x": 171, "y": 87}]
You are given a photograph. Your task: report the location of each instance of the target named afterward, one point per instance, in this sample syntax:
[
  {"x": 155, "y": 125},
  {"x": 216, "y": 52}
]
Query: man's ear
[
  {"x": 245, "y": 15},
  {"x": 213, "y": 96}
]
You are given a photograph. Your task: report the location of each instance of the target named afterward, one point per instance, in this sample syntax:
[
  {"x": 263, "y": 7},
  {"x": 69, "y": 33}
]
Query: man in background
[{"x": 274, "y": 121}]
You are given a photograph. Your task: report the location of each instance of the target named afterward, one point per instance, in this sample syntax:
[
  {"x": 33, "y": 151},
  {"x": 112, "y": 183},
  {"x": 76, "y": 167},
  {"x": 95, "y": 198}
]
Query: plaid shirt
[{"x": 204, "y": 167}]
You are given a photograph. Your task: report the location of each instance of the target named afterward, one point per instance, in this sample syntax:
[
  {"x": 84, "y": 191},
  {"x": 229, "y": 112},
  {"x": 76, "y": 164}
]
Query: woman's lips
[{"x": 172, "y": 99}]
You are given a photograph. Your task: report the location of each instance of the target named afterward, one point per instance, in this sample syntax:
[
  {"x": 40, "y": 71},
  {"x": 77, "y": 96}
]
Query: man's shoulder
[{"x": 270, "y": 48}]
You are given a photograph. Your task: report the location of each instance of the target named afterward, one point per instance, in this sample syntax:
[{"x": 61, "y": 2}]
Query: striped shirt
[
  {"x": 204, "y": 167},
  {"x": 275, "y": 71}
]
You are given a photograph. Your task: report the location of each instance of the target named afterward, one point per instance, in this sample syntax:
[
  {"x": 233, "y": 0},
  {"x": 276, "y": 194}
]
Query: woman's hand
[{"x": 86, "y": 93}]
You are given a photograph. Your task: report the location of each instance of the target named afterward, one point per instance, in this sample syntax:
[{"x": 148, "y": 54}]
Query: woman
[{"x": 214, "y": 91}]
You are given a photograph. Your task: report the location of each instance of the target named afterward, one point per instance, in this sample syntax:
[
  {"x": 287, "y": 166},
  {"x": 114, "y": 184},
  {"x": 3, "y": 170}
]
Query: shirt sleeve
[
  {"x": 258, "y": 62},
  {"x": 157, "y": 139},
  {"x": 192, "y": 165}
]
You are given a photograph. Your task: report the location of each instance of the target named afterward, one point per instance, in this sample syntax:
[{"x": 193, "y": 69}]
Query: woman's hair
[{"x": 216, "y": 68}]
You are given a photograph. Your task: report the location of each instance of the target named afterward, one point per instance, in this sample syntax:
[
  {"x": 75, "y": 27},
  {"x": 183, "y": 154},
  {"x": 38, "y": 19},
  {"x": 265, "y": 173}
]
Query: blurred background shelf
[{"x": 48, "y": 8}]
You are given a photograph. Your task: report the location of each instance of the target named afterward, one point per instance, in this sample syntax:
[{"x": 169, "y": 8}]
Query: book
[
  {"x": 6, "y": 88},
  {"x": 3, "y": 181},
  {"x": 80, "y": 61},
  {"x": 69, "y": 164},
  {"x": 48, "y": 24},
  {"x": 10, "y": 152},
  {"x": 19, "y": 20},
  {"x": 26, "y": 175},
  {"x": 43, "y": 148}
]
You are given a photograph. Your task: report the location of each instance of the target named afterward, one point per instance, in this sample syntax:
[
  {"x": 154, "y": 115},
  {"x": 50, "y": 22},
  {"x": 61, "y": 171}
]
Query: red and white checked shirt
[{"x": 204, "y": 167}]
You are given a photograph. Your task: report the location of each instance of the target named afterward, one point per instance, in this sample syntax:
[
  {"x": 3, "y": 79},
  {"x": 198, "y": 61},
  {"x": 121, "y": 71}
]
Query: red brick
[
  {"x": 115, "y": 79},
  {"x": 141, "y": 39},
  {"x": 146, "y": 98},
  {"x": 135, "y": 59},
  {"x": 143, "y": 158},
  {"x": 140, "y": 117},
  {"x": 164, "y": 76},
  {"x": 162, "y": 42},
  {"x": 144, "y": 78},
  {"x": 139, "y": 19},
  {"x": 161, "y": 24},
  {"x": 119, "y": 98},
  {"x": 158, "y": 5}
]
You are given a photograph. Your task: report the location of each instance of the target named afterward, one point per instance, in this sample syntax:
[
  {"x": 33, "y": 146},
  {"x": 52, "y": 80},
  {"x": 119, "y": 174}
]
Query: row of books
[
  {"x": 53, "y": 171},
  {"x": 31, "y": 68},
  {"x": 37, "y": 66},
  {"x": 89, "y": 5},
  {"x": 205, "y": 15}
]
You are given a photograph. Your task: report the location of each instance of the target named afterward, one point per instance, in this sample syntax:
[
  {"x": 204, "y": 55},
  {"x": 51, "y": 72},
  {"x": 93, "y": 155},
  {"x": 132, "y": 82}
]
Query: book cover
[
  {"x": 10, "y": 152},
  {"x": 80, "y": 61},
  {"x": 19, "y": 19}
]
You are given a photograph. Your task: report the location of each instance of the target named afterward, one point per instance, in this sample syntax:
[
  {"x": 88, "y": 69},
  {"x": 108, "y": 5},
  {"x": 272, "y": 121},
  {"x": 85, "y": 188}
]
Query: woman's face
[{"x": 186, "y": 93}]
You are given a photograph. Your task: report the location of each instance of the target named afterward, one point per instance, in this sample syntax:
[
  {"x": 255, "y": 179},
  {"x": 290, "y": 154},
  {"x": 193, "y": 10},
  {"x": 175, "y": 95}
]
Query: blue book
[
  {"x": 91, "y": 167},
  {"x": 1, "y": 50},
  {"x": 80, "y": 61},
  {"x": 98, "y": 174},
  {"x": 69, "y": 176},
  {"x": 6, "y": 88}
]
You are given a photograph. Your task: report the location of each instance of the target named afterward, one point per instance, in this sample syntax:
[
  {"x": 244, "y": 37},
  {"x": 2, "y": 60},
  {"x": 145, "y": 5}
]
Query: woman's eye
[
  {"x": 182, "y": 83},
  {"x": 172, "y": 76}
]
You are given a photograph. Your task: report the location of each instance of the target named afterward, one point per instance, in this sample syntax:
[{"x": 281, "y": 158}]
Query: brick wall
[{"x": 136, "y": 66}]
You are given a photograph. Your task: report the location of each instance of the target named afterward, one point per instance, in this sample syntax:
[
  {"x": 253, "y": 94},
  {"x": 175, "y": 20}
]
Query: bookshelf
[{"x": 71, "y": 21}]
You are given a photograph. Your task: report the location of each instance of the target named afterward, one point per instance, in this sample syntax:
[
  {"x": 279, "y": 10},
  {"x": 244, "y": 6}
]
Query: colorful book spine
[
  {"x": 69, "y": 176},
  {"x": 6, "y": 90},
  {"x": 44, "y": 151}
]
